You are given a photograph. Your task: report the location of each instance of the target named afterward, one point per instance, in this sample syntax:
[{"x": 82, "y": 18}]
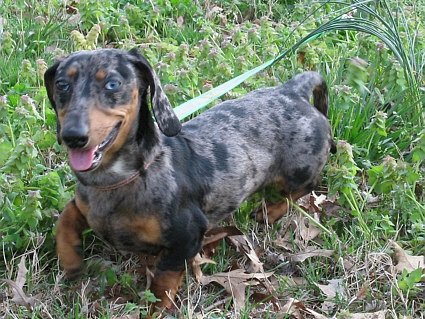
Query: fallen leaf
[
  {"x": 19, "y": 296},
  {"x": 284, "y": 242},
  {"x": 318, "y": 200},
  {"x": 348, "y": 264},
  {"x": 197, "y": 261},
  {"x": 180, "y": 21},
  {"x": 213, "y": 11},
  {"x": 315, "y": 314},
  {"x": 235, "y": 283},
  {"x": 375, "y": 305},
  {"x": 149, "y": 277},
  {"x": 293, "y": 307},
  {"x": 363, "y": 290},
  {"x": 369, "y": 315},
  {"x": 334, "y": 288},
  {"x": 309, "y": 252},
  {"x": 260, "y": 297},
  {"x": 213, "y": 237},
  {"x": 21, "y": 275},
  {"x": 331, "y": 208},
  {"x": 311, "y": 202},
  {"x": 307, "y": 203},
  {"x": 298, "y": 281},
  {"x": 305, "y": 229},
  {"x": 370, "y": 199},
  {"x": 328, "y": 306},
  {"x": 133, "y": 316},
  {"x": 242, "y": 243},
  {"x": 238, "y": 273},
  {"x": 405, "y": 261}
]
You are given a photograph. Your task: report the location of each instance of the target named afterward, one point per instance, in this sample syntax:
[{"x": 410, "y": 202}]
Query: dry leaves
[
  {"x": 293, "y": 307},
  {"x": 315, "y": 314},
  {"x": 334, "y": 288},
  {"x": 242, "y": 244},
  {"x": 235, "y": 283},
  {"x": 405, "y": 261},
  {"x": 19, "y": 296},
  {"x": 135, "y": 315},
  {"x": 297, "y": 309},
  {"x": 310, "y": 251},
  {"x": 305, "y": 228},
  {"x": 369, "y": 315},
  {"x": 197, "y": 261},
  {"x": 214, "y": 236},
  {"x": 180, "y": 21},
  {"x": 209, "y": 245}
]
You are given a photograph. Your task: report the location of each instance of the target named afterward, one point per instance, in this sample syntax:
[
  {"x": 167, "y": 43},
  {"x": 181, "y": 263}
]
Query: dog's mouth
[{"x": 87, "y": 159}]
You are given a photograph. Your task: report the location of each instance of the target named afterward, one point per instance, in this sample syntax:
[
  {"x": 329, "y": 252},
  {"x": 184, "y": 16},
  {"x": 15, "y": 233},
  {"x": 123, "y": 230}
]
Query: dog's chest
[{"x": 125, "y": 228}]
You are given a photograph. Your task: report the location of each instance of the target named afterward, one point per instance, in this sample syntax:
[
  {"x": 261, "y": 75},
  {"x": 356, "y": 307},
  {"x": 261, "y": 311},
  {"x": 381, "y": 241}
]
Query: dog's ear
[
  {"x": 49, "y": 83},
  {"x": 167, "y": 120}
]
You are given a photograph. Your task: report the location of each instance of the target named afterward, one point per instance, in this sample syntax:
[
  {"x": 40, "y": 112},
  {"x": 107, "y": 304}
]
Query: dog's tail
[{"x": 312, "y": 84}]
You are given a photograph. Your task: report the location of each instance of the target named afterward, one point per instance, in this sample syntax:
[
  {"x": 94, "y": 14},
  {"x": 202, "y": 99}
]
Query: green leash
[{"x": 190, "y": 107}]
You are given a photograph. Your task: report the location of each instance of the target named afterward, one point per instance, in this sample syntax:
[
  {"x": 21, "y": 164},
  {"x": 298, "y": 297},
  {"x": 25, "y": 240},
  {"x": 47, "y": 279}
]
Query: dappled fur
[{"x": 160, "y": 189}]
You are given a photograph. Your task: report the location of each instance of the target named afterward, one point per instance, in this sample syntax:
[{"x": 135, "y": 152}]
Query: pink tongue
[{"x": 81, "y": 160}]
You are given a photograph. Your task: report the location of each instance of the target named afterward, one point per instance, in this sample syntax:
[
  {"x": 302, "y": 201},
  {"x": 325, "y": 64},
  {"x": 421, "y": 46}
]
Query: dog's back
[{"x": 270, "y": 135}]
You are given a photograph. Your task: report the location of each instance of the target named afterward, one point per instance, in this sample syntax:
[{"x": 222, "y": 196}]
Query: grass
[{"x": 373, "y": 60}]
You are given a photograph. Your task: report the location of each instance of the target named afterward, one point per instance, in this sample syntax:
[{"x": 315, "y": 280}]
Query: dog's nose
[{"x": 75, "y": 137}]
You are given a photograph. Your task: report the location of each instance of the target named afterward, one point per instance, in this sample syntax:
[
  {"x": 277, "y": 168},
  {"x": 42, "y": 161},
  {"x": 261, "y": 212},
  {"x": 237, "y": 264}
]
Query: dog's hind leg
[
  {"x": 274, "y": 212},
  {"x": 71, "y": 225}
]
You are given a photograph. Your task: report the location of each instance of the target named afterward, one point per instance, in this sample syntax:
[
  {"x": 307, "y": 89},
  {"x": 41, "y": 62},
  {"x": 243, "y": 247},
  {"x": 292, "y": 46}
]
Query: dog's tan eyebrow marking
[
  {"x": 72, "y": 71},
  {"x": 100, "y": 75}
]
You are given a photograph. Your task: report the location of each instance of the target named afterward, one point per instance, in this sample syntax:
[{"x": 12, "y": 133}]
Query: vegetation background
[{"x": 354, "y": 249}]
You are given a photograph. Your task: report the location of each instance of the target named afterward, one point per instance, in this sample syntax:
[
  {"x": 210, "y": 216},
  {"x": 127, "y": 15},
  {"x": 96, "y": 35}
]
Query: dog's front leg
[
  {"x": 165, "y": 285},
  {"x": 184, "y": 242},
  {"x": 70, "y": 227}
]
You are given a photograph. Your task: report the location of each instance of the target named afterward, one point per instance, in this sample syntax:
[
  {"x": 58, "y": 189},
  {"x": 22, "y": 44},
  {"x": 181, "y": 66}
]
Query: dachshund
[{"x": 156, "y": 187}]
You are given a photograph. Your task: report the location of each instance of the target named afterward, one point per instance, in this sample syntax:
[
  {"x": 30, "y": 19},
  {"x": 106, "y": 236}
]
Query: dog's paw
[
  {"x": 165, "y": 285},
  {"x": 73, "y": 274},
  {"x": 258, "y": 214}
]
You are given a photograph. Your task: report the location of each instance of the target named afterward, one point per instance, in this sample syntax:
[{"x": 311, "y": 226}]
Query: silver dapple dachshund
[{"x": 157, "y": 188}]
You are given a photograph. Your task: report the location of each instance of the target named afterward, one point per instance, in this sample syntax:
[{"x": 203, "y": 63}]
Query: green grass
[{"x": 373, "y": 59}]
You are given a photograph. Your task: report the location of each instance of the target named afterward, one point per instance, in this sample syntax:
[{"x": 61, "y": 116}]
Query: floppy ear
[
  {"x": 49, "y": 83},
  {"x": 167, "y": 120}
]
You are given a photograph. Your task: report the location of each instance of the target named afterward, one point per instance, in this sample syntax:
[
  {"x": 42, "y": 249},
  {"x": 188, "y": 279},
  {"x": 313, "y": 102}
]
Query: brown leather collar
[{"x": 124, "y": 182}]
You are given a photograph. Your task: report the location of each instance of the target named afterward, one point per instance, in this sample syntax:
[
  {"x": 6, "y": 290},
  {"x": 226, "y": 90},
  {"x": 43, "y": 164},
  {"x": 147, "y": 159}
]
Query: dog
[{"x": 156, "y": 188}]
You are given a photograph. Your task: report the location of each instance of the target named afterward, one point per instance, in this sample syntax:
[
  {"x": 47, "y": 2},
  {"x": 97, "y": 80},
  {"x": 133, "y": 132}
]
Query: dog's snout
[{"x": 75, "y": 136}]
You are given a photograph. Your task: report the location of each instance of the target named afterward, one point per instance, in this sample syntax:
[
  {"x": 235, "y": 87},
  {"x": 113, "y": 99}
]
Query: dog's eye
[
  {"x": 112, "y": 85},
  {"x": 62, "y": 86}
]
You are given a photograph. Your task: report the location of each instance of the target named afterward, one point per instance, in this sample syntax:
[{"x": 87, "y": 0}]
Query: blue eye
[
  {"x": 62, "y": 86},
  {"x": 112, "y": 85}
]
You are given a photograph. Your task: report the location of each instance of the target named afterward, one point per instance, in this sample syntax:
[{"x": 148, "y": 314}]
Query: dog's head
[{"x": 100, "y": 101}]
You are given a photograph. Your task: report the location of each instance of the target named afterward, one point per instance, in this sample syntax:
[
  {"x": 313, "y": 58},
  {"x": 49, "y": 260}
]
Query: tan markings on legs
[
  {"x": 71, "y": 224},
  {"x": 276, "y": 211},
  {"x": 165, "y": 286},
  {"x": 82, "y": 206}
]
